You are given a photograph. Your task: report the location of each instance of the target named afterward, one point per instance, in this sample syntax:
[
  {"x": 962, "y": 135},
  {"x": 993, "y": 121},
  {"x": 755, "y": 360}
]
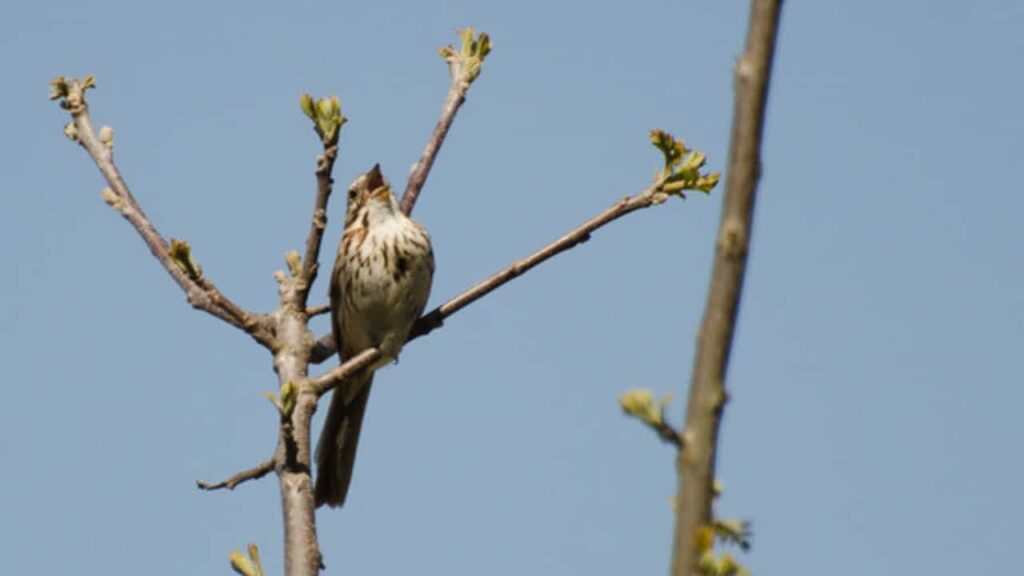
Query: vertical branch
[
  {"x": 291, "y": 359},
  {"x": 291, "y": 362},
  {"x": 327, "y": 122},
  {"x": 696, "y": 462}
]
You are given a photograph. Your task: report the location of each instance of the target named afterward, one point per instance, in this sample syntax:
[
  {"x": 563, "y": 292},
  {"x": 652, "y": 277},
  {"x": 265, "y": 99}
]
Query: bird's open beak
[{"x": 381, "y": 193}]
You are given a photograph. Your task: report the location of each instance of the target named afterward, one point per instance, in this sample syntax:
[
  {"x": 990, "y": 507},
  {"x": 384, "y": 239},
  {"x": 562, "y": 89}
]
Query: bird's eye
[{"x": 352, "y": 193}]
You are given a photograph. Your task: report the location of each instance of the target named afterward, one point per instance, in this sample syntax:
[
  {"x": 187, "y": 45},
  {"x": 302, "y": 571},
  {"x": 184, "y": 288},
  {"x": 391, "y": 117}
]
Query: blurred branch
[
  {"x": 696, "y": 462},
  {"x": 176, "y": 256},
  {"x": 463, "y": 67}
]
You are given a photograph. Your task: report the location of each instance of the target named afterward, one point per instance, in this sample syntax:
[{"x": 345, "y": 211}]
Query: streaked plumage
[{"x": 379, "y": 287}]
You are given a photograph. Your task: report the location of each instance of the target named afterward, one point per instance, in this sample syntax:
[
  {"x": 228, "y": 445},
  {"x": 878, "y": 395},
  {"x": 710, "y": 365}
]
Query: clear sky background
[{"x": 874, "y": 427}]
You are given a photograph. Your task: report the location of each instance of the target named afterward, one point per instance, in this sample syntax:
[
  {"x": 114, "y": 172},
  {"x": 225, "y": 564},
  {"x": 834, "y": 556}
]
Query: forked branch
[
  {"x": 682, "y": 173},
  {"x": 176, "y": 256}
]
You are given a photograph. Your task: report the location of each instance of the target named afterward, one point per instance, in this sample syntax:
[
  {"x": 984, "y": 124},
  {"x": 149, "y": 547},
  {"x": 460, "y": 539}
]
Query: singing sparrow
[{"x": 379, "y": 286}]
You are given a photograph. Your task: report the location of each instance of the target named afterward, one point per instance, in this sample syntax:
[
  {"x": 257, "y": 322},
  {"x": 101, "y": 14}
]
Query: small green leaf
[
  {"x": 307, "y": 106},
  {"x": 181, "y": 252},
  {"x": 640, "y": 404},
  {"x": 465, "y": 63},
  {"x": 682, "y": 169},
  {"x": 241, "y": 564}
]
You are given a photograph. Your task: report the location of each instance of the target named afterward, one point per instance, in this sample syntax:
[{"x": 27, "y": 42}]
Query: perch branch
[
  {"x": 434, "y": 319},
  {"x": 199, "y": 291},
  {"x": 325, "y": 382},
  {"x": 254, "y": 473},
  {"x": 707, "y": 397}
]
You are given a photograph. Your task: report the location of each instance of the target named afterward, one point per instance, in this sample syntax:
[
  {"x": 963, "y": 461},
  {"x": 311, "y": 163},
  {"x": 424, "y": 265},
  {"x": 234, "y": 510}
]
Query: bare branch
[
  {"x": 324, "y": 186},
  {"x": 324, "y": 349},
  {"x": 575, "y": 237},
  {"x": 696, "y": 462},
  {"x": 327, "y": 122},
  {"x": 254, "y": 473},
  {"x": 464, "y": 67},
  {"x": 317, "y": 310},
  {"x": 199, "y": 290}
]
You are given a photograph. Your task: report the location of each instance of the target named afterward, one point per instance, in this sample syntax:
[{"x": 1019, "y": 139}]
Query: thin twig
[
  {"x": 668, "y": 434},
  {"x": 199, "y": 291},
  {"x": 418, "y": 177},
  {"x": 254, "y": 473},
  {"x": 434, "y": 319},
  {"x": 318, "y": 222},
  {"x": 575, "y": 237},
  {"x": 464, "y": 65},
  {"x": 318, "y": 310},
  {"x": 696, "y": 462},
  {"x": 325, "y": 382}
]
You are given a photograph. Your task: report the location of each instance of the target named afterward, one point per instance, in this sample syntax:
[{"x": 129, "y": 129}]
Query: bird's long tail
[{"x": 336, "y": 450}]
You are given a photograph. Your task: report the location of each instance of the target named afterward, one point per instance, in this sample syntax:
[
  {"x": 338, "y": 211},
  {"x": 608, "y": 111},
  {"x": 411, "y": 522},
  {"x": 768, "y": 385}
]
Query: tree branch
[
  {"x": 254, "y": 473},
  {"x": 696, "y": 461},
  {"x": 324, "y": 186},
  {"x": 463, "y": 67},
  {"x": 293, "y": 457},
  {"x": 418, "y": 177},
  {"x": 328, "y": 380},
  {"x": 434, "y": 319},
  {"x": 199, "y": 291}
]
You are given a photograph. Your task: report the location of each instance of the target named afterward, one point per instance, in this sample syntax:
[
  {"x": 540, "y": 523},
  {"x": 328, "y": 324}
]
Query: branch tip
[
  {"x": 294, "y": 262},
  {"x": 464, "y": 63},
  {"x": 325, "y": 114},
  {"x": 682, "y": 169}
]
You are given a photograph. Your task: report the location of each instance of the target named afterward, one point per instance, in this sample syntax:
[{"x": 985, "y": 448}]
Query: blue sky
[{"x": 874, "y": 424}]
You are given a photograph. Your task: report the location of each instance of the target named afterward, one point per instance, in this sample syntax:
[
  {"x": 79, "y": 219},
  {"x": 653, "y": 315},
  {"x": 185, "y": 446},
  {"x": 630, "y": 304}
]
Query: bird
[{"x": 379, "y": 286}]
